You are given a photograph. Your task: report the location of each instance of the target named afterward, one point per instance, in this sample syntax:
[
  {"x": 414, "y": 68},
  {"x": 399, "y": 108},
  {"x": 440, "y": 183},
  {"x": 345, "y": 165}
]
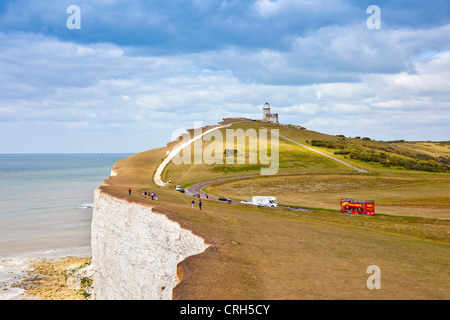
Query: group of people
[
  {"x": 153, "y": 195},
  {"x": 199, "y": 203}
]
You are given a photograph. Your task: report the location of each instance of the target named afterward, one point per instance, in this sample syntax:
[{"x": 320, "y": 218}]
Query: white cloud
[
  {"x": 304, "y": 108},
  {"x": 267, "y": 8},
  {"x": 111, "y": 92},
  {"x": 272, "y": 8}
]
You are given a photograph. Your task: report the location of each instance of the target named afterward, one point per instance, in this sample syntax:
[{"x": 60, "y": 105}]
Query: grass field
[
  {"x": 426, "y": 195},
  {"x": 267, "y": 253},
  {"x": 292, "y": 158}
]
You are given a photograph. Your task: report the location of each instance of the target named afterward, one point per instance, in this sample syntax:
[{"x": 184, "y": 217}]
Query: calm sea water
[{"x": 46, "y": 203}]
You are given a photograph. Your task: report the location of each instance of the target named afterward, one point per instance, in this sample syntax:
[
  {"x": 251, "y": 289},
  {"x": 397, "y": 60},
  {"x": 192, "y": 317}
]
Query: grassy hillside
[
  {"x": 406, "y": 178},
  {"x": 266, "y": 253},
  {"x": 419, "y": 156},
  {"x": 375, "y": 156},
  {"x": 292, "y": 158}
]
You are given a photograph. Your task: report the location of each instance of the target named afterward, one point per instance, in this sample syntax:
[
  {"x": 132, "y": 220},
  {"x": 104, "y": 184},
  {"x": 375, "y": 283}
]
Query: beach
[
  {"x": 46, "y": 203},
  {"x": 20, "y": 267}
]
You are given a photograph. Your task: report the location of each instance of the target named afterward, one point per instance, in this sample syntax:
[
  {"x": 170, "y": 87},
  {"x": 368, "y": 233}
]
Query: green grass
[
  {"x": 420, "y": 156},
  {"x": 292, "y": 158}
]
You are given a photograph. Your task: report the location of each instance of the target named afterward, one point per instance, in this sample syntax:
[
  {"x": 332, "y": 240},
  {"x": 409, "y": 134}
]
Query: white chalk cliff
[{"x": 136, "y": 251}]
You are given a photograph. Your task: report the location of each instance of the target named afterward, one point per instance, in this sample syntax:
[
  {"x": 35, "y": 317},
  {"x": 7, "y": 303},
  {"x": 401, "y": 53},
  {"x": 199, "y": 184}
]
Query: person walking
[
  {"x": 200, "y": 204},
  {"x": 129, "y": 192},
  {"x": 193, "y": 203}
]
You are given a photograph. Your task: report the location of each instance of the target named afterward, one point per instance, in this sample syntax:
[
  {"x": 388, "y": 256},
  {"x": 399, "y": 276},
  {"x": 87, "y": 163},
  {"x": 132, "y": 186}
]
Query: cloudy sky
[{"x": 139, "y": 70}]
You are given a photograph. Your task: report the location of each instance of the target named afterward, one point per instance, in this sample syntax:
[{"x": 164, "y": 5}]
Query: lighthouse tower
[
  {"x": 267, "y": 116},
  {"x": 266, "y": 111}
]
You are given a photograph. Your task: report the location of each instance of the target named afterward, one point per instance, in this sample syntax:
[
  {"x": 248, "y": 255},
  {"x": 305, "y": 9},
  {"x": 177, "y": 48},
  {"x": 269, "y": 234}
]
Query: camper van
[{"x": 265, "y": 201}]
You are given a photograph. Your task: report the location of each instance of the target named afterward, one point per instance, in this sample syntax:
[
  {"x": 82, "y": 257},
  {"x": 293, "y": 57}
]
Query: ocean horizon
[{"x": 46, "y": 205}]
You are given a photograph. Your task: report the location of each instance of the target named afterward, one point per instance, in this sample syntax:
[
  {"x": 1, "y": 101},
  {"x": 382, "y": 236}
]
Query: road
[{"x": 197, "y": 188}]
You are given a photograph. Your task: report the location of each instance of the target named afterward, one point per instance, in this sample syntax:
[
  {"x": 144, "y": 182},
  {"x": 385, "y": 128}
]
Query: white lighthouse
[{"x": 267, "y": 116}]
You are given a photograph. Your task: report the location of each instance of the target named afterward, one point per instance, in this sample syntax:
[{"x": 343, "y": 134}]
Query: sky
[{"x": 137, "y": 72}]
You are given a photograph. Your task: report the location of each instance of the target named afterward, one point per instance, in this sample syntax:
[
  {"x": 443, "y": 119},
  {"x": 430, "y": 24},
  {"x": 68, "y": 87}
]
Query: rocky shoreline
[{"x": 67, "y": 278}]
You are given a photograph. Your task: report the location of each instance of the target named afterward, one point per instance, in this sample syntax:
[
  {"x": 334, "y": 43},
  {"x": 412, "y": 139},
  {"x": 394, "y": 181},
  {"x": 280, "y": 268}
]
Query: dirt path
[
  {"x": 157, "y": 177},
  {"x": 321, "y": 153}
]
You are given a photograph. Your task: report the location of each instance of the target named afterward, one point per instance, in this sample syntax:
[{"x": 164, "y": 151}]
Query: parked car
[
  {"x": 247, "y": 202},
  {"x": 196, "y": 195},
  {"x": 224, "y": 199},
  {"x": 179, "y": 188}
]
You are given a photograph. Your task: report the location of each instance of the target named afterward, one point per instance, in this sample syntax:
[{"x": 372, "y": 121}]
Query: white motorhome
[{"x": 265, "y": 201}]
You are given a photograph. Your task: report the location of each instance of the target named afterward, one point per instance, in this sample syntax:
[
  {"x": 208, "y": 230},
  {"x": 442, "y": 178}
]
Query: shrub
[
  {"x": 328, "y": 144},
  {"x": 345, "y": 152}
]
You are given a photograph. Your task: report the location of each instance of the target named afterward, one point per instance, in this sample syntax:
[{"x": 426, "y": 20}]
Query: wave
[{"x": 86, "y": 206}]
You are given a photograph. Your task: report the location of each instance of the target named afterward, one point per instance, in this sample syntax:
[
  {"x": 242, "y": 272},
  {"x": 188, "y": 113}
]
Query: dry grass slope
[{"x": 262, "y": 253}]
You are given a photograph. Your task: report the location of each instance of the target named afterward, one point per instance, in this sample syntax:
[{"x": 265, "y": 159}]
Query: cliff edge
[{"x": 136, "y": 250}]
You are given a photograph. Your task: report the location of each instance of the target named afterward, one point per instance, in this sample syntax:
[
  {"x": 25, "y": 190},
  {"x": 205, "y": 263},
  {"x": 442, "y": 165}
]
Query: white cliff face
[{"x": 135, "y": 251}]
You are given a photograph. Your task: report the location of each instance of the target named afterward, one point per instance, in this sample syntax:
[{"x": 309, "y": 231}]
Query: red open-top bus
[{"x": 358, "y": 207}]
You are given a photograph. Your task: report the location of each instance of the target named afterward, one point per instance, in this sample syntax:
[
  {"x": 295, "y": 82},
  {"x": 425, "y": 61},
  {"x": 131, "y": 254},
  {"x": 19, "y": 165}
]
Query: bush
[
  {"x": 407, "y": 163},
  {"x": 345, "y": 152},
  {"x": 329, "y": 144}
]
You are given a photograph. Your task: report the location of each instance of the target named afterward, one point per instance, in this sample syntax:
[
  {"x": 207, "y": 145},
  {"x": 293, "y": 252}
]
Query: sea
[{"x": 46, "y": 205}]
